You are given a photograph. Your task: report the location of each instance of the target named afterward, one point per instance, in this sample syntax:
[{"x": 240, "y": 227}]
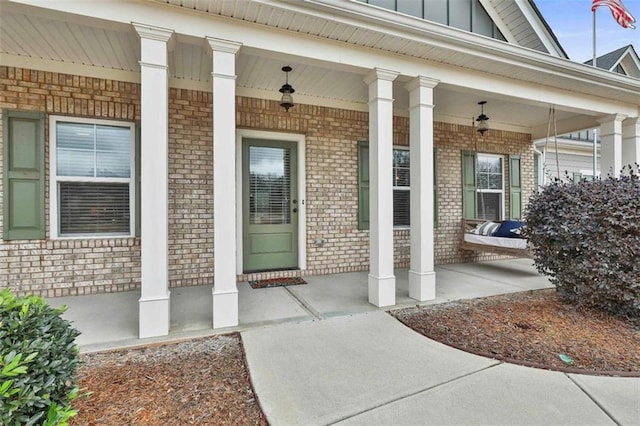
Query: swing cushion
[
  {"x": 486, "y": 228},
  {"x": 509, "y": 229}
]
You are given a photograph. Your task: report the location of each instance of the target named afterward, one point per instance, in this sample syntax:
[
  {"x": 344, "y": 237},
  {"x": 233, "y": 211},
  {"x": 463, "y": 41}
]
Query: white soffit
[
  {"x": 38, "y": 36},
  {"x": 359, "y": 24}
]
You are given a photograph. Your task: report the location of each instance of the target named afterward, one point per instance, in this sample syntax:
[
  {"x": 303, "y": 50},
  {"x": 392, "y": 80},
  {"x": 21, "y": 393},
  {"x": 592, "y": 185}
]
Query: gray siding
[{"x": 570, "y": 163}]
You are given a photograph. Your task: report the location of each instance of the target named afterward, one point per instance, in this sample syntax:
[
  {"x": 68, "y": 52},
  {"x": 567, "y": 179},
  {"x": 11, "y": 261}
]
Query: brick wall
[
  {"x": 334, "y": 242},
  {"x": 67, "y": 267},
  {"x": 450, "y": 141},
  {"x": 190, "y": 188}
]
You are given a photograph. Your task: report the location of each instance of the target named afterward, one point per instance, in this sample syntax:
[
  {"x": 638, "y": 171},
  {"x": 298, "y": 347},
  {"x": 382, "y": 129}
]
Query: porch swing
[{"x": 477, "y": 233}]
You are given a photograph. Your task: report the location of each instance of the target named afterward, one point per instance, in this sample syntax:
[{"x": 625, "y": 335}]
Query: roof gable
[
  {"x": 624, "y": 58},
  {"x": 517, "y": 22}
]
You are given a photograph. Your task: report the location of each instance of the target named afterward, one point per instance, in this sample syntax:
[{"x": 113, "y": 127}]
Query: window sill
[{"x": 93, "y": 237}]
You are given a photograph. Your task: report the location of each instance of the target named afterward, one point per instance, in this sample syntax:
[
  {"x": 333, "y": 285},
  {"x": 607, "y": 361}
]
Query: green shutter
[
  {"x": 469, "y": 199},
  {"x": 137, "y": 177},
  {"x": 435, "y": 187},
  {"x": 515, "y": 187},
  {"x": 363, "y": 185},
  {"x": 23, "y": 176}
]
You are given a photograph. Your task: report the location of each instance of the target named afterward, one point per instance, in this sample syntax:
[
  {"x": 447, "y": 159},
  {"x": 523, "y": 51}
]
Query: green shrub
[
  {"x": 38, "y": 361},
  {"x": 586, "y": 238}
]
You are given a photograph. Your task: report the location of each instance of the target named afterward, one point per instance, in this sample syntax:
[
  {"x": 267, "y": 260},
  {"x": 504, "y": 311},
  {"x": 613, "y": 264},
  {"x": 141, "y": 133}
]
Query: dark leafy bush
[
  {"x": 38, "y": 359},
  {"x": 586, "y": 238}
]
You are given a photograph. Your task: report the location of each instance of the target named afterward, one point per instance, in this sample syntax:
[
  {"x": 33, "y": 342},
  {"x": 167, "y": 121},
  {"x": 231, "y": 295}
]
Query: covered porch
[
  {"x": 111, "y": 320},
  {"x": 204, "y": 81}
]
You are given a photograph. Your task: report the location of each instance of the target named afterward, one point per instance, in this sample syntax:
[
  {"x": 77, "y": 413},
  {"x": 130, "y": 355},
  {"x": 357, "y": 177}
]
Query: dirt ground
[
  {"x": 532, "y": 328},
  {"x": 206, "y": 381},
  {"x": 199, "y": 382}
]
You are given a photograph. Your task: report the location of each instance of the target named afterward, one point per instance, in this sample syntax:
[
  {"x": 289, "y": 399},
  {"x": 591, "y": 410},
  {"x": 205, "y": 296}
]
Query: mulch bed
[
  {"x": 197, "y": 382},
  {"x": 277, "y": 282},
  {"x": 533, "y": 328},
  {"x": 206, "y": 381}
]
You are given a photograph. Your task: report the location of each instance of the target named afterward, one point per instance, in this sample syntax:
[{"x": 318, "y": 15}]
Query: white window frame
[
  {"x": 54, "y": 179},
  {"x": 492, "y": 191},
  {"x": 402, "y": 188}
]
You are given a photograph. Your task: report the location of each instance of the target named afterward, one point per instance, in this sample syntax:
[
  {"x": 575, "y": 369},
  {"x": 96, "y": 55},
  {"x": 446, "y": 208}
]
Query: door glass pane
[{"x": 269, "y": 185}]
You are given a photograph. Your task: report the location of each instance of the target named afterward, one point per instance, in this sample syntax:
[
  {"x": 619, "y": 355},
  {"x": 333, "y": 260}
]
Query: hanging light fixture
[
  {"x": 483, "y": 120},
  {"x": 286, "y": 101}
]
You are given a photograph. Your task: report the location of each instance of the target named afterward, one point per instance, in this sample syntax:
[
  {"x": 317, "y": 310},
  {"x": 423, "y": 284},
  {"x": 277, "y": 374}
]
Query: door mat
[{"x": 277, "y": 282}]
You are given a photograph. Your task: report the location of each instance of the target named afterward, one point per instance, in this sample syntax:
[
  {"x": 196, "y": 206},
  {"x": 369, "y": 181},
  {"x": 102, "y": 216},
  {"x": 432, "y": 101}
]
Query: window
[
  {"x": 489, "y": 186},
  {"x": 483, "y": 188},
  {"x": 401, "y": 187},
  {"x": 92, "y": 184}
]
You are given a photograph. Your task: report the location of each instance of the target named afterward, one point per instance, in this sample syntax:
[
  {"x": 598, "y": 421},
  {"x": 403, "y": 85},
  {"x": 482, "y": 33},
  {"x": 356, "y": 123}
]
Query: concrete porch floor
[{"x": 111, "y": 320}]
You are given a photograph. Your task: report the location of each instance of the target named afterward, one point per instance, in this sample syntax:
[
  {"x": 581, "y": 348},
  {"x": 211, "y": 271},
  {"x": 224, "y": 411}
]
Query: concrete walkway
[
  {"x": 369, "y": 369},
  {"x": 320, "y": 354}
]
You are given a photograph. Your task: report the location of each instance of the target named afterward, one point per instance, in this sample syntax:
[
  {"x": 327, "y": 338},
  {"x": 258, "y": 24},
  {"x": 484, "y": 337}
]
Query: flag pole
[{"x": 594, "y": 37}]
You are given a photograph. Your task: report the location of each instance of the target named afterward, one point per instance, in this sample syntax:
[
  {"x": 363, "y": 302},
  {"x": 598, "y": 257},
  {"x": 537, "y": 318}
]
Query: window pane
[
  {"x": 401, "y": 166},
  {"x": 113, "y": 151},
  {"x": 75, "y": 149},
  {"x": 94, "y": 208},
  {"x": 489, "y": 205},
  {"x": 489, "y": 172},
  {"x": 401, "y": 207},
  {"x": 495, "y": 181},
  {"x": 269, "y": 185}
]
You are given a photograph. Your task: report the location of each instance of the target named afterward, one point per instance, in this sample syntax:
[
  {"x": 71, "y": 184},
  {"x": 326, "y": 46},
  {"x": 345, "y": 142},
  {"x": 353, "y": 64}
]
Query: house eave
[{"x": 405, "y": 36}]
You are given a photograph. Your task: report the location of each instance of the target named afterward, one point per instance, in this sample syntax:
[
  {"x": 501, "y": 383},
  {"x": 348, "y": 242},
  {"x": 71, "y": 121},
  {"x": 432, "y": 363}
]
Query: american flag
[{"x": 619, "y": 12}]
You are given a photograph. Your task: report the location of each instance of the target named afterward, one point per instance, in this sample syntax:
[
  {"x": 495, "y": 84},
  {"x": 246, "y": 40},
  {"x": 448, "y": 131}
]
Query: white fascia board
[
  {"x": 506, "y": 31},
  {"x": 29, "y": 62},
  {"x": 634, "y": 58},
  {"x": 539, "y": 28},
  {"x": 566, "y": 144},
  {"x": 198, "y": 24},
  {"x": 563, "y": 127}
]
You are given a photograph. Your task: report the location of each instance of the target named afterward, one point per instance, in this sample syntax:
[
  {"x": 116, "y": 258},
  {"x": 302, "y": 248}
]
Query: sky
[{"x": 571, "y": 22}]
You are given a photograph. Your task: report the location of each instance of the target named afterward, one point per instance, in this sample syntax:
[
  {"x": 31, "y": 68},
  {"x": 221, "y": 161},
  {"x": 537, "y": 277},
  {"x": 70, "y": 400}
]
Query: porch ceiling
[{"x": 40, "y": 34}]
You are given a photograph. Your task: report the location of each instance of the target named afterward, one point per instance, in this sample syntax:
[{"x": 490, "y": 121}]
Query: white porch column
[
  {"x": 225, "y": 291},
  {"x": 154, "y": 300},
  {"x": 611, "y": 145},
  {"x": 382, "y": 282},
  {"x": 631, "y": 141},
  {"x": 422, "y": 277}
]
